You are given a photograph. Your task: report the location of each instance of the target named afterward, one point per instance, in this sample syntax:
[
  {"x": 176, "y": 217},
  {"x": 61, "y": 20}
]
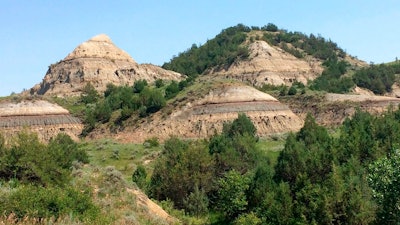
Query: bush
[
  {"x": 39, "y": 202},
  {"x": 378, "y": 79},
  {"x": 292, "y": 91},
  {"x": 270, "y": 27},
  {"x": 89, "y": 94},
  {"x": 151, "y": 142},
  {"x": 139, "y": 86},
  {"x": 159, "y": 83},
  {"x": 139, "y": 177}
]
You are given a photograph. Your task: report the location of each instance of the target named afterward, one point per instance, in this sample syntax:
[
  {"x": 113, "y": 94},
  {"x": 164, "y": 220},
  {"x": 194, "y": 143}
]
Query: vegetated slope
[
  {"x": 260, "y": 56},
  {"x": 98, "y": 62},
  {"x": 202, "y": 109},
  {"x": 38, "y": 116},
  {"x": 268, "y": 64},
  {"x": 330, "y": 109}
]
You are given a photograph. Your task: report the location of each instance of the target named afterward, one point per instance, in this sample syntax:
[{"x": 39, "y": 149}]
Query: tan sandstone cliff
[
  {"x": 39, "y": 116},
  {"x": 268, "y": 64},
  {"x": 99, "y": 62},
  {"x": 203, "y": 116}
]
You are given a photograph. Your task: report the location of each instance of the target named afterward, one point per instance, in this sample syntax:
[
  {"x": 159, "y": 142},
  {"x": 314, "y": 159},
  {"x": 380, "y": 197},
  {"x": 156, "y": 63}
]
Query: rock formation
[
  {"x": 204, "y": 116},
  {"x": 99, "y": 62},
  {"x": 44, "y": 118},
  {"x": 270, "y": 65}
]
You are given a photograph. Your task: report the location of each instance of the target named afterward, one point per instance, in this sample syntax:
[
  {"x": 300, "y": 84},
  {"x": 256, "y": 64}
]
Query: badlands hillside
[
  {"x": 39, "y": 116},
  {"x": 120, "y": 111},
  {"x": 255, "y": 58},
  {"x": 203, "y": 108},
  {"x": 99, "y": 62}
]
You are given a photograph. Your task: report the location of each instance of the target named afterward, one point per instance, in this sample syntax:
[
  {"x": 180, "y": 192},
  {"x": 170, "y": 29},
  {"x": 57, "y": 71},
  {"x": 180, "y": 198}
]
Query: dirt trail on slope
[{"x": 153, "y": 208}]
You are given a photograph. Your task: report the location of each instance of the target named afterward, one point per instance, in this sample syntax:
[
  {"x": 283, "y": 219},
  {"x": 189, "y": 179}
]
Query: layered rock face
[
  {"x": 271, "y": 65},
  {"x": 41, "y": 117},
  {"x": 99, "y": 62},
  {"x": 205, "y": 116}
]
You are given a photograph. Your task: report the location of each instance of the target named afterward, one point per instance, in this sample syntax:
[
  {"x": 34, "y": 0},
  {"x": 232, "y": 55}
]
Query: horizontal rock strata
[
  {"x": 270, "y": 65},
  {"x": 41, "y": 117},
  {"x": 98, "y": 62}
]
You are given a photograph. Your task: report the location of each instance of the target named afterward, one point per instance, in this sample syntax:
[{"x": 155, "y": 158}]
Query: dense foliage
[
  {"x": 332, "y": 79},
  {"x": 377, "y": 78},
  {"x": 219, "y": 51},
  {"x": 316, "y": 46},
  {"x": 140, "y": 99},
  {"x": 347, "y": 178},
  {"x": 35, "y": 178}
]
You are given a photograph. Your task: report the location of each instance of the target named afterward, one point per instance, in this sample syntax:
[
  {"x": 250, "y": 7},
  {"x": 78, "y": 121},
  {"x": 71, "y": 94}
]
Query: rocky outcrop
[
  {"x": 99, "y": 62},
  {"x": 332, "y": 109},
  {"x": 268, "y": 64},
  {"x": 41, "y": 117},
  {"x": 206, "y": 115}
]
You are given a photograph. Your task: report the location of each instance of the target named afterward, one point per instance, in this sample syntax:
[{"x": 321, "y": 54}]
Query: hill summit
[{"x": 99, "y": 62}]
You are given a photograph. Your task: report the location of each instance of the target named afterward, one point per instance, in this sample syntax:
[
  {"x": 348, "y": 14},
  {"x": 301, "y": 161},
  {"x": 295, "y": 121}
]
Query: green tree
[
  {"x": 270, "y": 27},
  {"x": 139, "y": 86},
  {"x": 196, "y": 203},
  {"x": 240, "y": 126},
  {"x": 139, "y": 177},
  {"x": 231, "y": 194},
  {"x": 384, "y": 178},
  {"x": 247, "y": 219},
  {"x": 159, "y": 83},
  {"x": 292, "y": 91},
  {"x": 89, "y": 94},
  {"x": 171, "y": 90},
  {"x": 181, "y": 167}
]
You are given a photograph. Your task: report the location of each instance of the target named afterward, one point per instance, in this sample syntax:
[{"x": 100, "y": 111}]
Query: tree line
[
  {"x": 35, "y": 179},
  {"x": 348, "y": 177},
  {"x": 141, "y": 100}
]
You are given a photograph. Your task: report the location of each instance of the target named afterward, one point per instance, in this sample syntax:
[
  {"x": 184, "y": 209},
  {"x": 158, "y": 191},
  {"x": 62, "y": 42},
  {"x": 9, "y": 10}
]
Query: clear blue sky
[{"x": 35, "y": 34}]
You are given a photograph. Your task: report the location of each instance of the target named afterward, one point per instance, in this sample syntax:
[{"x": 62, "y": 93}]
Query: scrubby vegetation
[
  {"x": 120, "y": 103},
  {"x": 219, "y": 51},
  {"x": 35, "y": 178},
  {"x": 318, "y": 178},
  {"x": 332, "y": 79},
  {"x": 377, "y": 78},
  {"x": 228, "y": 46}
]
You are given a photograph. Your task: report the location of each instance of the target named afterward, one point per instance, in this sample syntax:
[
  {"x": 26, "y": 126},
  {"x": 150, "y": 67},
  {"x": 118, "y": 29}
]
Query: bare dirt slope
[
  {"x": 99, "y": 62},
  {"x": 202, "y": 115},
  {"x": 153, "y": 209},
  {"x": 271, "y": 65},
  {"x": 332, "y": 109},
  {"x": 42, "y": 117}
]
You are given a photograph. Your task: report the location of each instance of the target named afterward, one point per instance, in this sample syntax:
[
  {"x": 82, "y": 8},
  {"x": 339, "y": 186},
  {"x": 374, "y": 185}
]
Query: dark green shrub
[
  {"x": 139, "y": 86},
  {"x": 139, "y": 177},
  {"x": 50, "y": 202},
  {"x": 292, "y": 91}
]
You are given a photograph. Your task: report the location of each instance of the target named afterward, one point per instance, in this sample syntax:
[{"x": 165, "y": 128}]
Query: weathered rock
[
  {"x": 41, "y": 117},
  {"x": 205, "y": 116},
  {"x": 270, "y": 65},
  {"x": 99, "y": 62}
]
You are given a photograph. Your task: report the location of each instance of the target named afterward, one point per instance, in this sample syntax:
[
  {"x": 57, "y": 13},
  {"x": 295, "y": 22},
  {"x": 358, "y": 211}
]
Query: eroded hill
[
  {"x": 98, "y": 62},
  {"x": 203, "y": 108},
  {"x": 39, "y": 116}
]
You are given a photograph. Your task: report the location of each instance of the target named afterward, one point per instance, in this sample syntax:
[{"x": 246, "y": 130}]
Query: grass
[
  {"x": 72, "y": 104},
  {"x": 272, "y": 146},
  {"x": 124, "y": 157}
]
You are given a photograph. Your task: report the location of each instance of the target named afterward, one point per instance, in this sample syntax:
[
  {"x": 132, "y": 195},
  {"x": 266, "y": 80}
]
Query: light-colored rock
[
  {"x": 270, "y": 65},
  {"x": 30, "y": 108},
  {"x": 205, "y": 116},
  {"x": 99, "y": 62},
  {"x": 41, "y": 117}
]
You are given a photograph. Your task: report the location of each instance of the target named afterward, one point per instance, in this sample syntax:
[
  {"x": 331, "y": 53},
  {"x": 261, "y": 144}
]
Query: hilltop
[
  {"x": 205, "y": 134},
  {"x": 99, "y": 62}
]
